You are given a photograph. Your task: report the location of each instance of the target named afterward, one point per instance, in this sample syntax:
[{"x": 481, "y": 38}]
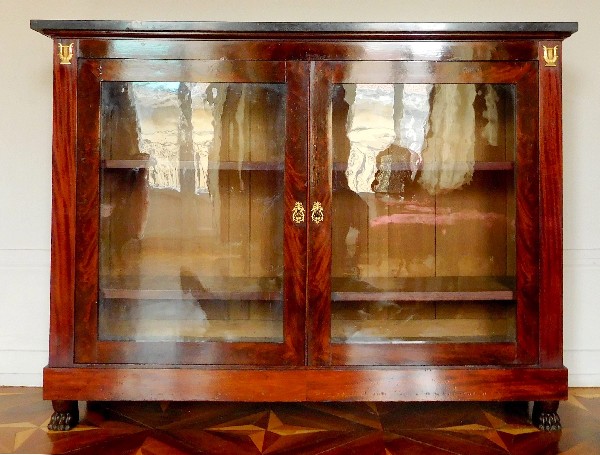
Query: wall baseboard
[
  {"x": 584, "y": 367},
  {"x": 21, "y": 380},
  {"x": 22, "y": 368},
  {"x": 584, "y": 380}
]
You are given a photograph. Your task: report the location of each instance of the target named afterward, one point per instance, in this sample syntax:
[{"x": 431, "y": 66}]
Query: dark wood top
[{"x": 299, "y": 30}]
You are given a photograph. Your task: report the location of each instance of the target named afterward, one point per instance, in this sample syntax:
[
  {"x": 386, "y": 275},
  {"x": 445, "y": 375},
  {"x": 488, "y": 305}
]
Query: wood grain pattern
[
  {"x": 551, "y": 206},
  {"x": 64, "y": 168},
  {"x": 191, "y": 71},
  {"x": 296, "y": 190},
  {"x": 425, "y": 352},
  {"x": 88, "y": 209},
  {"x": 195, "y": 353},
  {"x": 486, "y": 193},
  {"x": 288, "y": 49},
  {"x": 170, "y": 428},
  {"x": 290, "y": 343},
  {"x": 408, "y": 384},
  {"x": 319, "y": 240},
  {"x": 411, "y": 72},
  {"x": 236, "y": 205},
  {"x": 528, "y": 221}
]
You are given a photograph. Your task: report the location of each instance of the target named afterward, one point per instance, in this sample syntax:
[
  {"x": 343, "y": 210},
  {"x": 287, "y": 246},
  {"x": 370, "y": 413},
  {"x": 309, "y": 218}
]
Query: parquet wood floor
[{"x": 294, "y": 429}]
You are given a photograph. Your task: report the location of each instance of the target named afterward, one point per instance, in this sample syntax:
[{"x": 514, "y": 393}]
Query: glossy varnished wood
[
  {"x": 551, "y": 206},
  {"x": 89, "y": 348},
  {"x": 296, "y": 384},
  {"x": 523, "y": 76},
  {"x": 296, "y": 190},
  {"x": 528, "y": 220},
  {"x": 63, "y": 254},
  {"x": 190, "y": 71},
  {"x": 424, "y": 353},
  {"x": 307, "y": 365},
  {"x": 199, "y": 353},
  {"x": 306, "y": 49},
  {"x": 319, "y": 244},
  {"x": 88, "y": 209},
  {"x": 390, "y": 72}
]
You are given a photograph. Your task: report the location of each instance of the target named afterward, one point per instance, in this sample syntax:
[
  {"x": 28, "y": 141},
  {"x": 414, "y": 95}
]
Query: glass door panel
[
  {"x": 423, "y": 213},
  {"x": 191, "y": 229},
  {"x": 430, "y": 207}
]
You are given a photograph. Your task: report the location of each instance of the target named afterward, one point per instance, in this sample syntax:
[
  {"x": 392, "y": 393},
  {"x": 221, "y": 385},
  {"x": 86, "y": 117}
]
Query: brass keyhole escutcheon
[
  {"x": 298, "y": 213},
  {"x": 316, "y": 213}
]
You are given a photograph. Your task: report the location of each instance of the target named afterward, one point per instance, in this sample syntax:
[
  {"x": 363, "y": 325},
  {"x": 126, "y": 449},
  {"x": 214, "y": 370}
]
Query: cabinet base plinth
[{"x": 110, "y": 383}]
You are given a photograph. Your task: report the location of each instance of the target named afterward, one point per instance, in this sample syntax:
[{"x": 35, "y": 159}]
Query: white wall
[{"x": 25, "y": 144}]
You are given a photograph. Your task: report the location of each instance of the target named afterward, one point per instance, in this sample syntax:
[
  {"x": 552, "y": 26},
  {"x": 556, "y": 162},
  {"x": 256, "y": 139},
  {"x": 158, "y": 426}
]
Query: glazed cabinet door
[
  {"x": 187, "y": 248},
  {"x": 424, "y": 196}
]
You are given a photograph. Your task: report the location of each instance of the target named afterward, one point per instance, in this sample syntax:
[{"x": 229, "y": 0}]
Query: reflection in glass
[
  {"x": 190, "y": 217},
  {"x": 423, "y": 212}
]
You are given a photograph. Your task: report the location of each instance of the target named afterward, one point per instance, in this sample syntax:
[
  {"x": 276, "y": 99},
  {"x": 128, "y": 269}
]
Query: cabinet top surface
[{"x": 108, "y": 28}]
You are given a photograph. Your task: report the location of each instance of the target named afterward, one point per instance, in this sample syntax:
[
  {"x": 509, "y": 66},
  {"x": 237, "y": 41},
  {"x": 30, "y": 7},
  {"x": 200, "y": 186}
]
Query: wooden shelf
[
  {"x": 423, "y": 289},
  {"x": 221, "y": 166},
  {"x": 435, "y": 289},
  {"x": 437, "y": 330},
  {"x": 478, "y": 166},
  {"x": 195, "y": 294},
  {"x": 278, "y": 166},
  {"x": 368, "y": 331},
  {"x": 192, "y": 330},
  {"x": 210, "y": 288}
]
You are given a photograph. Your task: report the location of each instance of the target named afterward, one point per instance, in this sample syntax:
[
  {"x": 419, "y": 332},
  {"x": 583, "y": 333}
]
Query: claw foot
[
  {"x": 548, "y": 421},
  {"x": 65, "y": 417},
  {"x": 545, "y": 416}
]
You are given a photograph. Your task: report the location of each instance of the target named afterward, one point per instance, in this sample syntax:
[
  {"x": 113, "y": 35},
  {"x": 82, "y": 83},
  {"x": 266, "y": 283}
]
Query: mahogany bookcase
[{"x": 306, "y": 211}]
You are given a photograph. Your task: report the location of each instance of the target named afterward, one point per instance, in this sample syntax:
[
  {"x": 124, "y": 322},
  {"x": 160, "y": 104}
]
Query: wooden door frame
[
  {"x": 88, "y": 348},
  {"x": 524, "y": 76}
]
